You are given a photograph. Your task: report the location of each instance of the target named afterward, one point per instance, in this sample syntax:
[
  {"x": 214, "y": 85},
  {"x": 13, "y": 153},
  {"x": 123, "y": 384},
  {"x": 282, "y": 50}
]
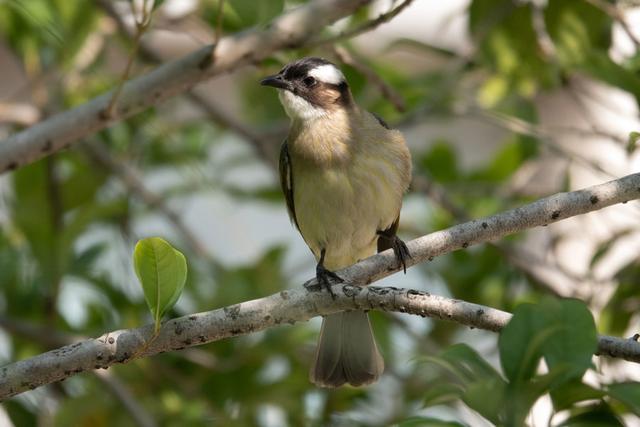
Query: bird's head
[{"x": 310, "y": 88}]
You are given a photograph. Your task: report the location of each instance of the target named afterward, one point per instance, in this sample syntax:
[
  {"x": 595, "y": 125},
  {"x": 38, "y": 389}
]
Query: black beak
[{"x": 276, "y": 81}]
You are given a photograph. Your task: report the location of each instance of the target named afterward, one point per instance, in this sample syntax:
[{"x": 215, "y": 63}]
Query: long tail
[{"x": 347, "y": 352}]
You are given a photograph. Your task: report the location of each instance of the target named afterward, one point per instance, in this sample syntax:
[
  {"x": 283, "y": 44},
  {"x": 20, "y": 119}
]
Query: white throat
[{"x": 297, "y": 108}]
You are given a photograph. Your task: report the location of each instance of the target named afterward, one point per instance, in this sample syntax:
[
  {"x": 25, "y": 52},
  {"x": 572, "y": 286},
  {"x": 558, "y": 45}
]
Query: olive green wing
[{"x": 286, "y": 181}]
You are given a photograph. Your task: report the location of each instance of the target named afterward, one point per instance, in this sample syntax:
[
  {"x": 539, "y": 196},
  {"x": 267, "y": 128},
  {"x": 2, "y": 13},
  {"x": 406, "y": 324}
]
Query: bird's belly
[{"x": 340, "y": 210}]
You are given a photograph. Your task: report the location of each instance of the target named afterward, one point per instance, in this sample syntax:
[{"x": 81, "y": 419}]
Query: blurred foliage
[{"x": 69, "y": 224}]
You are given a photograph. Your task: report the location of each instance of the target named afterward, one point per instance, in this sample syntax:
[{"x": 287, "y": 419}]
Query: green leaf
[
  {"x": 162, "y": 271},
  {"x": 251, "y": 12},
  {"x": 464, "y": 363},
  {"x": 622, "y": 306},
  {"x": 627, "y": 393},
  {"x": 575, "y": 342},
  {"x": 428, "y": 422},
  {"x": 632, "y": 142},
  {"x": 565, "y": 395},
  {"x": 442, "y": 392},
  {"x": 599, "y": 415},
  {"x": 521, "y": 342},
  {"x": 476, "y": 397},
  {"x": 441, "y": 162},
  {"x": 563, "y": 331}
]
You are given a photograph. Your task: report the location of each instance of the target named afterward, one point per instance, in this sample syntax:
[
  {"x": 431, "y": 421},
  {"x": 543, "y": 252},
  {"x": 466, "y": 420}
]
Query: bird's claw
[
  {"x": 402, "y": 253},
  {"x": 325, "y": 278}
]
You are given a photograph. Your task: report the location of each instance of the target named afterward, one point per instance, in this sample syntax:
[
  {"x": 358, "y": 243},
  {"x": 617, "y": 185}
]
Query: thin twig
[
  {"x": 387, "y": 91},
  {"x": 141, "y": 27},
  {"x": 366, "y": 27},
  {"x": 614, "y": 12},
  {"x": 265, "y": 145},
  {"x": 219, "y": 21},
  {"x": 290, "y": 30},
  {"x": 300, "y": 305},
  {"x": 126, "y": 398},
  {"x": 56, "y": 212},
  {"x": 130, "y": 178},
  {"x": 543, "y": 134}
]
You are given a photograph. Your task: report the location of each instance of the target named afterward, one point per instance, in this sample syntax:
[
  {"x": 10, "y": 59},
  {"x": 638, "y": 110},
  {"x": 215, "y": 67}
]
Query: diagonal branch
[
  {"x": 299, "y": 305},
  {"x": 289, "y": 30}
]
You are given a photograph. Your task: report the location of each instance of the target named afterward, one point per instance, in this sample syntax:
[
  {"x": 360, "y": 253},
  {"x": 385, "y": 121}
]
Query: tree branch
[
  {"x": 290, "y": 30},
  {"x": 292, "y": 306}
]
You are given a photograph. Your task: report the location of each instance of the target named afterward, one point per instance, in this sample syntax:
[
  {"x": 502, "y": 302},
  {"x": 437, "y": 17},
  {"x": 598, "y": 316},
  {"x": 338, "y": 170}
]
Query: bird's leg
[
  {"x": 324, "y": 277},
  {"x": 399, "y": 247}
]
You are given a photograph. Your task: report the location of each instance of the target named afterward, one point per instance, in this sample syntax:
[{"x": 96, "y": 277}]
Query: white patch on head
[
  {"x": 297, "y": 107},
  {"x": 327, "y": 73}
]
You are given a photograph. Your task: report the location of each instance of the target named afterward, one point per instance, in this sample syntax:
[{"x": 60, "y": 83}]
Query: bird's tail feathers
[{"x": 347, "y": 352}]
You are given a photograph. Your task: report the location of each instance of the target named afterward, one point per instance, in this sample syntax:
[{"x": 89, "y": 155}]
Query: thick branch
[
  {"x": 287, "y": 31},
  {"x": 299, "y": 305},
  {"x": 285, "y": 307},
  {"x": 539, "y": 213}
]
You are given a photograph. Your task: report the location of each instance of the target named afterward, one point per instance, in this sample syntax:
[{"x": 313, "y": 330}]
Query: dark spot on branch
[
  {"x": 48, "y": 145},
  {"x": 351, "y": 291},
  {"x": 187, "y": 341},
  {"x": 193, "y": 317},
  {"x": 635, "y": 337},
  {"x": 284, "y": 295},
  {"x": 67, "y": 372},
  {"x": 479, "y": 312},
  {"x": 233, "y": 312},
  {"x": 555, "y": 214},
  {"x": 178, "y": 329},
  {"x": 625, "y": 202},
  {"x": 111, "y": 340},
  {"x": 413, "y": 294},
  {"x": 236, "y": 331},
  {"x": 207, "y": 60},
  {"x": 430, "y": 258},
  {"x": 202, "y": 338},
  {"x": 465, "y": 245},
  {"x": 485, "y": 225},
  {"x": 594, "y": 199},
  {"x": 267, "y": 318},
  {"x": 377, "y": 290},
  {"x": 104, "y": 114},
  {"x": 12, "y": 166}
]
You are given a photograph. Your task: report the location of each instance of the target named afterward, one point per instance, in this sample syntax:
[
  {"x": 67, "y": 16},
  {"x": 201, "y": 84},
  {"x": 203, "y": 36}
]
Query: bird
[{"x": 343, "y": 173}]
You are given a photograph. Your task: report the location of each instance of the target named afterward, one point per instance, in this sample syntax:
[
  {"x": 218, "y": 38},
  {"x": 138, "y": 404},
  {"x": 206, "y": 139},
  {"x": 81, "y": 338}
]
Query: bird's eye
[{"x": 309, "y": 81}]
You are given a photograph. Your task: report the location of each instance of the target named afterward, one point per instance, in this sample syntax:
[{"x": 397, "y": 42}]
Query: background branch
[
  {"x": 299, "y": 305},
  {"x": 287, "y": 31}
]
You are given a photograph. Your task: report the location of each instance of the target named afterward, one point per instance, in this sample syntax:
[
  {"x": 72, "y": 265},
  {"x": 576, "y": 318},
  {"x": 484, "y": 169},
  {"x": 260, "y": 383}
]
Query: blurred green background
[{"x": 501, "y": 102}]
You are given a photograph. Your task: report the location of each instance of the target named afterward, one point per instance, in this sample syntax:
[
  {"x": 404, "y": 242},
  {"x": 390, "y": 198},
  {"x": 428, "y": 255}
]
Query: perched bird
[{"x": 343, "y": 173}]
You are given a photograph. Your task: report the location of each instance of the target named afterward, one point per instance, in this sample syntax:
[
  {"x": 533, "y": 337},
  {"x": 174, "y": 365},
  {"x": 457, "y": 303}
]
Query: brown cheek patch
[{"x": 329, "y": 96}]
